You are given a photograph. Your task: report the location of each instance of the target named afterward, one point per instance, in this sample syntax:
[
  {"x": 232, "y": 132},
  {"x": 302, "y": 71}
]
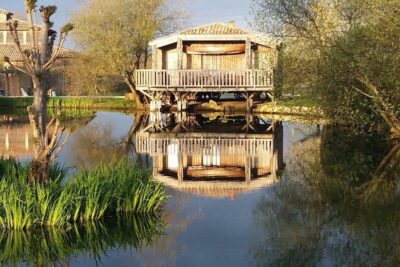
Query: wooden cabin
[
  {"x": 220, "y": 156},
  {"x": 211, "y": 59}
]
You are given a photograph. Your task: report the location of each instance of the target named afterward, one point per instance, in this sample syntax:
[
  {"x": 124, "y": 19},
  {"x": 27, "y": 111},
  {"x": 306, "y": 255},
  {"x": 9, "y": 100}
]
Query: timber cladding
[{"x": 215, "y": 56}]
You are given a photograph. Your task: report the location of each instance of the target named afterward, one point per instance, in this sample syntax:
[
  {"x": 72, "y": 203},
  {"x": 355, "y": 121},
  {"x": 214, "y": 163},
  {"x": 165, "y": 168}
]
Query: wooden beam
[
  {"x": 179, "y": 51},
  {"x": 248, "y": 170},
  {"x": 255, "y": 38},
  {"x": 154, "y": 64},
  {"x": 249, "y": 64},
  {"x": 204, "y": 171},
  {"x": 180, "y": 171}
]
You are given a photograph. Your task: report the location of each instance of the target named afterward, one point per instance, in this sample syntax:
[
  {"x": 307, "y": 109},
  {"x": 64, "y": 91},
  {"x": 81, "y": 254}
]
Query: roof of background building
[
  {"x": 22, "y": 24},
  {"x": 4, "y": 12},
  {"x": 11, "y": 51}
]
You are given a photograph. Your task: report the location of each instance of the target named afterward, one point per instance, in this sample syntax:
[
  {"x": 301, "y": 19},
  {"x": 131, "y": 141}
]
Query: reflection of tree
[
  {"x": 319, "y": 214},
  {"x": 354, "y": 154},
  {"x": 58, "y": 246},
  {"x": 93, "y": 145}
]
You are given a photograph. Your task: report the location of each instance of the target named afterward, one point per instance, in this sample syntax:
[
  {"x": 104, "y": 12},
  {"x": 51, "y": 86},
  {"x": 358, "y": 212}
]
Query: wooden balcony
[{"x": 204, "y": 80}]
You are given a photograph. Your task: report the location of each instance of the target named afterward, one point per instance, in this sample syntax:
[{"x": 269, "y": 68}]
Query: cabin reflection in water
[{"x": 218, "y": 157}]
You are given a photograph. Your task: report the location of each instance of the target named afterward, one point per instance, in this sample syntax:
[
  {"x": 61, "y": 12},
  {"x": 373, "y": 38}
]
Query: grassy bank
[
  {"x": 88, "y": 196},
  {"x": 293, "y": 106},
  {"x": 70, "y": 102}
]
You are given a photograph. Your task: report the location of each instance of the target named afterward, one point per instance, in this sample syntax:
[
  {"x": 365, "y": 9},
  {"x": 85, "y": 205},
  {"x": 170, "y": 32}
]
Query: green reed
[
  {"x": 87, "y": 196},
  {"x": 55, "y": 246}
]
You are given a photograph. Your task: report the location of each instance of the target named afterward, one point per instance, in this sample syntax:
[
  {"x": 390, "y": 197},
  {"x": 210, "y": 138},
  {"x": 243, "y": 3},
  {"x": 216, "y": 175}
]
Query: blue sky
[{"x": 199, "y": 11}]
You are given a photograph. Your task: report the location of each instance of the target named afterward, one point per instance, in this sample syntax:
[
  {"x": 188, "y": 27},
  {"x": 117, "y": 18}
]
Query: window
[{"x": 9, "y": 38}]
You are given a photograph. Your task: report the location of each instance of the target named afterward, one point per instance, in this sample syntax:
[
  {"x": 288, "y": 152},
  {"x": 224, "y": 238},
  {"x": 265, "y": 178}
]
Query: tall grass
[
  {"x": 70, "y": 102},
  {"x": 88, "y": 196}
]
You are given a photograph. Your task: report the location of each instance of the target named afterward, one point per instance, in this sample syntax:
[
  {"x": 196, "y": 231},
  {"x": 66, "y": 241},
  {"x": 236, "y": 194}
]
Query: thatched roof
[
  {"x": 214, "y": 189},
  {"x": 215, "y": 32},
  {"x": 214, "y": 29}
]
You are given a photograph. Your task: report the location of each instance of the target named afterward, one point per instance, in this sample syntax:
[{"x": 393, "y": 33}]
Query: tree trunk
[
  {"x": 130, "y": 82},
  {"x": 39, "y": 168}
]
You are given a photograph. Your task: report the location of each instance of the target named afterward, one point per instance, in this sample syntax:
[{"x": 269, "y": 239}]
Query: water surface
[{"x": 244, "y": 191}]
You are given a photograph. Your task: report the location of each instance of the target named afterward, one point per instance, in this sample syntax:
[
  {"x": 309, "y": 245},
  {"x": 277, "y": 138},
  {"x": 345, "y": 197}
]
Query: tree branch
[
  {"x": 368, "y": 84},
  {"x": 362, "y": 92},
  {"x": 7, "y": 60},
  {"x": 13, "y": 29},
  {"x": 59, "y": 146},
  {"x": 56, "y": 53}
]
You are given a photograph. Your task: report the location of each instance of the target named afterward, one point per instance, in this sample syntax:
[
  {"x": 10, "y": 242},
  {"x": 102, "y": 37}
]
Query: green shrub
[{"x": 87, "y": 196}]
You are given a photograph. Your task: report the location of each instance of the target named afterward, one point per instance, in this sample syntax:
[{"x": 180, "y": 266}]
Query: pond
[{"x": 244, "y": 190}]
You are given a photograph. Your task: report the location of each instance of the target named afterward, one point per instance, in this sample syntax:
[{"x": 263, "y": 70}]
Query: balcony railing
[{"x": 204, "y": 79}]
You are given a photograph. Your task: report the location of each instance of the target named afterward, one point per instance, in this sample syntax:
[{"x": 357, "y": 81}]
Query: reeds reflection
[{"x": 56, "y": 246}]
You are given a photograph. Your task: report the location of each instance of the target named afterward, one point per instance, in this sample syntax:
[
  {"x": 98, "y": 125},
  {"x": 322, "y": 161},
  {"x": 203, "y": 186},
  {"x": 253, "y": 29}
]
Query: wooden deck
[
  {"x": 155, "y": 144},
  {"x": 204, "y": 80}
]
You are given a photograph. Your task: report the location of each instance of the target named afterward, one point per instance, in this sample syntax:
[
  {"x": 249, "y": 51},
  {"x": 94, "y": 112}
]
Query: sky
[{"x": 199, "y": 11}]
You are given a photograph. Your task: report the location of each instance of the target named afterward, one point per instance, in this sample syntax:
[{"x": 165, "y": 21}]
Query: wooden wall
[
  {"x": 262, "y": 57},
  {"x": 216, "y": 62},
  {"x": 169, "y": 57}
]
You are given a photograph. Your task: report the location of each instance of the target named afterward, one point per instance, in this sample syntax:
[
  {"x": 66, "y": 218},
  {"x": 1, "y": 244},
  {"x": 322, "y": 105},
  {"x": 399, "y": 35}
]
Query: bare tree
[
  {"x": 116, "y": 33},
  {"x": 38, "y": 59}
]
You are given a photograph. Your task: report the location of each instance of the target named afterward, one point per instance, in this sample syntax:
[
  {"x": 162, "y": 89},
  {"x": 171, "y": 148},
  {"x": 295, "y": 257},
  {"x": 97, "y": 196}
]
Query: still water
[{"x": 244, "y": 191}]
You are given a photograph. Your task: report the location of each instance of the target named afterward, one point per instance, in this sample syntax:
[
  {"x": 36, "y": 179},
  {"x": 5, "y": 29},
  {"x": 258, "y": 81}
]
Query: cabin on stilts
[{"x": 206, "y": 62}]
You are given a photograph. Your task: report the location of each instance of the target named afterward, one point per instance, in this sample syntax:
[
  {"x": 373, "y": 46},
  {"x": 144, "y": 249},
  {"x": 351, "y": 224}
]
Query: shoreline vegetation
[
  {"x": 298, "y": 107},
  {"x": 301, "y": 107},
  {"x": 87, "y": 196},
  {"x": 76, "y": 102}
]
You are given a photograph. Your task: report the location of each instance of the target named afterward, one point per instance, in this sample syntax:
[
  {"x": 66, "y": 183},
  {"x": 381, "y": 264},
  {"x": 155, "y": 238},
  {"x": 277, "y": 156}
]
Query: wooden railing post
[{"x": 204, "y": 78}]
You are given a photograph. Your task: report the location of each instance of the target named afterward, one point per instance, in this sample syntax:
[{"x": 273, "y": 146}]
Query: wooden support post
[
  {"x": 178, "y": 102},
  {"x": 249, "y": 101},
  {"x": 181, "y": 103},
  {"x": 154, "y": 63},
  {"x": 155, "y": 103},
  {"x": 248, "y": 54},
  {"x": 247, "y": 169},
  {"x": 271, "y": 96},
  {"x": 179, "y": 51},
  {"x": 180, "y": 166}
]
